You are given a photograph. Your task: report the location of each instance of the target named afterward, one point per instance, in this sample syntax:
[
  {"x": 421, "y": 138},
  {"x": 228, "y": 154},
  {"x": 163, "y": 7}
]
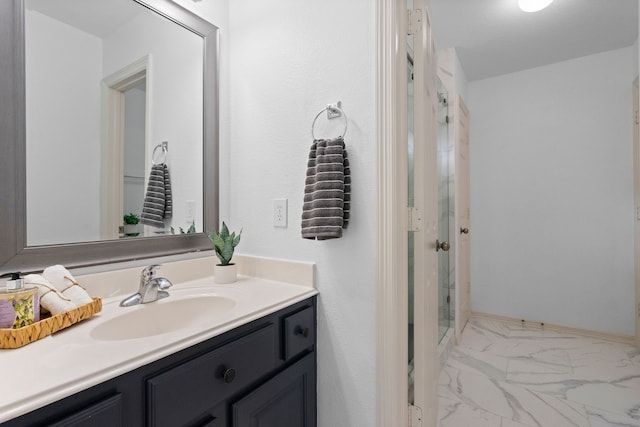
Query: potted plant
[
  {"x": 224, "y": 243},
  {"x": 131, "y": 221},
  {"x": 190, "y": 230}
]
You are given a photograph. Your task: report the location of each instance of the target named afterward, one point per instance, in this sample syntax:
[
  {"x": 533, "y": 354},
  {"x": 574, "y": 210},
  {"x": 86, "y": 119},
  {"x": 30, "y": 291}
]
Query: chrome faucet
[{"x": 151, "y": 288}]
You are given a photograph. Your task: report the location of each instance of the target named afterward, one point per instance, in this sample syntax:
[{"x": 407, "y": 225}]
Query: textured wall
[
  {"x": 551, "y": 193},
  {"x": 288, "y": 60}
]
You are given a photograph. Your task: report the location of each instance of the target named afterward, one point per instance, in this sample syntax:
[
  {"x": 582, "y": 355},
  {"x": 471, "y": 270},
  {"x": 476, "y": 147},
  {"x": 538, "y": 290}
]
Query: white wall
[
  {"x": 62, "y": 198},
  {"x": 551, "y": 193},
  {"x": 134, "y": 165},
  {"x": 288, "y": 60},
  {"x": 635, "y": 58}
]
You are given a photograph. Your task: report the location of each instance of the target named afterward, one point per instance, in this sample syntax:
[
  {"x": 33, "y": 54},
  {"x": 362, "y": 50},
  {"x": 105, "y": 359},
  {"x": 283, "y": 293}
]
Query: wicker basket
[{"x": 15, "y": 338}]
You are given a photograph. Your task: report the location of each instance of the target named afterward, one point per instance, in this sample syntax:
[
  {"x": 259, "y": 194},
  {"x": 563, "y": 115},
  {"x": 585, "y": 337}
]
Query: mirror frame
[{"x": 15, "y": 255}]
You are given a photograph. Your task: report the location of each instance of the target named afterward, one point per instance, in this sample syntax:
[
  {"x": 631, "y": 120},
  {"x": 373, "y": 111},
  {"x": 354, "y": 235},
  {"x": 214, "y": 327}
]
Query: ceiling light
[{"x": 533, "y": 5}]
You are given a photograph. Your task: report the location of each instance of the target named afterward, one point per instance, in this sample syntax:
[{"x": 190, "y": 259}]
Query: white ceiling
[
  {"x": 494, "y": 37},
  {"x": 97, "y": 17}
]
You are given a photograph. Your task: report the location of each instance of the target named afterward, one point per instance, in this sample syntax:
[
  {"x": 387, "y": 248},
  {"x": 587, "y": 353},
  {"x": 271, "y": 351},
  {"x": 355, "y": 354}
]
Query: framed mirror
[{"x": 178, "y": 125}]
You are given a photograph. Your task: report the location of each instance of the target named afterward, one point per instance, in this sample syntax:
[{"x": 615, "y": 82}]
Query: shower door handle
[{"x": 445, "y": 246}]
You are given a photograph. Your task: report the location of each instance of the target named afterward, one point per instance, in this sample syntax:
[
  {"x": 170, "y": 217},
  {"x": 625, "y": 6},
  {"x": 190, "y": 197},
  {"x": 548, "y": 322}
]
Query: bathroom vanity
[
  {"x": 208, "y": 355},
  {"x": 262, "y": 373}
]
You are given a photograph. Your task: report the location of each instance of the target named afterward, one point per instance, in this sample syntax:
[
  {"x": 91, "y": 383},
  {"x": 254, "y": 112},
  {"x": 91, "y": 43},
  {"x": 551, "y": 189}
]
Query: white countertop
[{"x": 72, "y": 360}]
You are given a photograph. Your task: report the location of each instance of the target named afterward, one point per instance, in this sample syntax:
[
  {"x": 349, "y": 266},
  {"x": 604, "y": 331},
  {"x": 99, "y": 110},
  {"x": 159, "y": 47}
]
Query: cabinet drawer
[
  {"x": 176, "y": 396},
  {"x": 299, "y": 332}
]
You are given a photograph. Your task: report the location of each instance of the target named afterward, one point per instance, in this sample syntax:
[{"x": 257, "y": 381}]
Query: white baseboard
[{"x": 621, "y": 338}]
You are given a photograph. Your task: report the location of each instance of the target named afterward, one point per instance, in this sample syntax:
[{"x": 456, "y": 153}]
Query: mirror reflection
[{"x": 114, "y": 92}]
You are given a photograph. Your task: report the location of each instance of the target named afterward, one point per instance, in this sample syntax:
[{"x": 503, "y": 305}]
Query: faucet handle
[
  {"x": 149, "y": 272},
  {"x": 163, "y": 283}
]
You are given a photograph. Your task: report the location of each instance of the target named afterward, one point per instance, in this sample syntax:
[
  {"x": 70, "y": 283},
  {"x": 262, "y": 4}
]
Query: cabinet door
[
  {"x": 106, "y": 413},
  {"x": 287, "y": 400}
]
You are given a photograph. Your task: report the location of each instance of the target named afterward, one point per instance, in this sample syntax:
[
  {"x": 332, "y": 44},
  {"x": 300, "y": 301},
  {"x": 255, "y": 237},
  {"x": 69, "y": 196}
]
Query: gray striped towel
[
  {"x": 157, "y": 202},
  {"x": 327, "y": 190}
]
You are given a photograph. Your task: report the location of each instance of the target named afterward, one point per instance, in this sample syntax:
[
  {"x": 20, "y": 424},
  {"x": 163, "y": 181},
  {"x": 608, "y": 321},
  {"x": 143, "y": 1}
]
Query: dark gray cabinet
[
  {"x": 259, "y": 374},
  {"x": 106, "y": 413},
  {"x": 282, "y": 401}
]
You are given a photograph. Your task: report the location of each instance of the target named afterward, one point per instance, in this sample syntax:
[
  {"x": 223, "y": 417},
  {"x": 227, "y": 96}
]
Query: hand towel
[
  {"x": 327, "y": 191},
  {"x": 157, "y": 202},
  {"x": 50, "y": 298},
  {"x": 63, "y": 281}
]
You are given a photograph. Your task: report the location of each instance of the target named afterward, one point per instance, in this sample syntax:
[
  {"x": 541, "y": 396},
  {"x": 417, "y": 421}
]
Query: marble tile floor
[{"x": 508, "y": 375}]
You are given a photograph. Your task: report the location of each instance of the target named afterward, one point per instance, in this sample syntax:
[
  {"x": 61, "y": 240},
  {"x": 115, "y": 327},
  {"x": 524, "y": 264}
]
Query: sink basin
[{"x": 161, "y": 317}]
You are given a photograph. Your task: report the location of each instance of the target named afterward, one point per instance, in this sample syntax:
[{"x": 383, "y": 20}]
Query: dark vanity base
[{"x": 262, "y": 373}]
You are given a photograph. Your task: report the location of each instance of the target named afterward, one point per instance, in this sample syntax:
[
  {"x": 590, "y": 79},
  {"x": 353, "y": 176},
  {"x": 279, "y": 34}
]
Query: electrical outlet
[
  {"x": 190, "y": 209},
  {"x": 280, "y": 213}
]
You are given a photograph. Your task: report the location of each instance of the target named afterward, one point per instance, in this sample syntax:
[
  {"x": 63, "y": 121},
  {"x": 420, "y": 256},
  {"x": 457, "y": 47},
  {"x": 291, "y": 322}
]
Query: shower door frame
[{"x": 636, "y": 197}]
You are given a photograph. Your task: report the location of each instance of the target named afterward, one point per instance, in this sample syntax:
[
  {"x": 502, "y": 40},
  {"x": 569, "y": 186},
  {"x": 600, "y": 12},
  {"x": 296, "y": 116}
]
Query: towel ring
[
  {"x": 165, "y": 149},
  {"x": 333, "y": 111}
]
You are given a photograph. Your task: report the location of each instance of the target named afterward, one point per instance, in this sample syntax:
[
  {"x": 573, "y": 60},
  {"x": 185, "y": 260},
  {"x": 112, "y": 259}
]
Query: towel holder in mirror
[{"x": 165, "y": 149}]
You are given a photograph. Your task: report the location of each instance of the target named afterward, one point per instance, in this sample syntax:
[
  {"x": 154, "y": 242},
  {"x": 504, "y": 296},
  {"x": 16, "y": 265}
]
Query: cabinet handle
[
  {"x": 302, "y": 331},
  {"x": 228, "y": 375}
]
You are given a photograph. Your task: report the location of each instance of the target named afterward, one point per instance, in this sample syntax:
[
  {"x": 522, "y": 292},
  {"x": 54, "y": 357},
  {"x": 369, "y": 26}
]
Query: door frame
[
  {"x": 393, "y": 225},
  {"x": 392, "y": 253},
  {"x": 426, "y": 250},
  {"x": 112, "y": 140}
]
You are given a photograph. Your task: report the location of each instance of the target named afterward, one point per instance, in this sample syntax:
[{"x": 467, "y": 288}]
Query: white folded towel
[
  {"x": 62, "y": 280},
  {"x": 50, "y": 298}
]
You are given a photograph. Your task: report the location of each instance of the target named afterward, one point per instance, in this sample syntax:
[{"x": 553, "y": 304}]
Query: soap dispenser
[{"x": 19, "y": 306}]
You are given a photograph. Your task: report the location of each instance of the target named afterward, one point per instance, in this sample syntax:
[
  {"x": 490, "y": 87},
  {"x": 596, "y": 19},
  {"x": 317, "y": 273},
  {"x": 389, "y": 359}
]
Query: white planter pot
[
  {"x": 131, "y": 230},
  {"x": 225, "y": 273}
]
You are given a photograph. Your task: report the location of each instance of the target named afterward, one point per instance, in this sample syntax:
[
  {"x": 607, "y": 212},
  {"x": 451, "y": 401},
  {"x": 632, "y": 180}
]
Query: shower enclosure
[
  {"x": 445, "y": 161},
  {"x": 445, "y": 212}
]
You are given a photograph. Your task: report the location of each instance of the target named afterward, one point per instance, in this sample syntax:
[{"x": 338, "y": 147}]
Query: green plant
[
  {"x": 224, "y": 243},
  {"x": 131, "y": 218},
  {"x": 190, "y": 230}
]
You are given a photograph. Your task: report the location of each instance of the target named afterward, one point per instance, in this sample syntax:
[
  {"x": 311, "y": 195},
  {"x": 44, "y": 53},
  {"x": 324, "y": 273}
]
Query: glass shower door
[
  {"x": 410, "y": 157},
  {"x": 445, "y": 208}
]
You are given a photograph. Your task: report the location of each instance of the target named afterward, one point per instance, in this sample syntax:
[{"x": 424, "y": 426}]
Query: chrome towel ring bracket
[
  {"x": 334, "y": 111},
  {"x": 163, "y": 154}
]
